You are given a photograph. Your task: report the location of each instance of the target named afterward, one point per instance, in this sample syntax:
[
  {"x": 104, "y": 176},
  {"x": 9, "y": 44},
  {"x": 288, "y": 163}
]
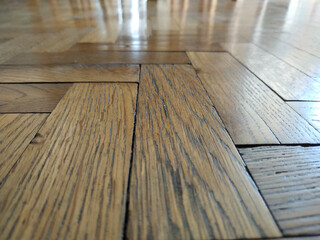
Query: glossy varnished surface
[
  {"x": 253, "y": 113},
  {"x": 69, "y": 73},
  {"x": 186, "y": 177},
  {"x": 80, "y": 175}
]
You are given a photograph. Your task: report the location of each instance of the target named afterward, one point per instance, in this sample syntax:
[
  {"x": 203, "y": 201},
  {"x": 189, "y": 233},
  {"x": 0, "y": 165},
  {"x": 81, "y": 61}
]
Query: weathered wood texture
[
  {"x": 305, "y": 62},
  {"x": 70, "y": 73},
  {"x": 71, "y": 182},
  {"x": 16, "y": 132},
  {"x": 252, "y": 113},
  {"x": 15, "y": 98},
  {"x": 288, "y": 178},
  {"x": 309, "y": 111},
  {"x": 187, "y": 180},
  {"x": 287, "y": 81},
  {"x": 98, "y": 57}
]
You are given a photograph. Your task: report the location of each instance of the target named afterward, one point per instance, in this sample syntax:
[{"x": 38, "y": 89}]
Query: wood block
[
  {"x": 23, "y": 98},
  {"x": 252, "y": 113},
  {"x": 98, "y": 57},
  {"x": 73, "y": 178},
  {"x": 309, "y": 111},
  {"x": 187, "y": 182},
  {"x": 288, "y": 178},
  {"x": 70, "y": 73},
  {"x": 16, "y": 132},
  {"x": 287, "y": 81}
]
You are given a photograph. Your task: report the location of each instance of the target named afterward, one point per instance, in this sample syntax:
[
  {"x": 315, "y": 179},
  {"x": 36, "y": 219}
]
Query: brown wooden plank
[
  {"x": 288, "y": 178},
  {"x": 164, "y": 46},
  {"x": 305, "y": 62},
  {"x": 71, "y": 182},
  {"x": 309, "y": 111},
  {"x": 98, "y": 57},
  {"x": 299, "y": 238},
  {"x": 287, "y": 81},
  {"x": 252, "y": 113},
  {"x": 16, "y": 132},
  {"x": 59, "y": 41},
  {"x": 23, "y": 98},
  {"x": 187, "y": 182},
  {"x": 16, "y": 46},
  {"x": 70, "y": 73}
]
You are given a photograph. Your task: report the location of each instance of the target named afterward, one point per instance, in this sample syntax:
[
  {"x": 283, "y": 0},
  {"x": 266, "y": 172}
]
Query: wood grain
[
  {"x": 16, "y": 132},
  {"x": 288, "y": 178},
  {"x": 23, "y": 98},
  {"x": 163, "y": 46},
  {"x": 305, "y": 62},
  {"x": 287, "y": 81},
  {"x": 72, "y": 180},
  {"x": 252, "y": 113},
  {"x": 309, "y": 111},
  {"x": 187, "y": 180},
  {"x": 16, "y": 46},
  {"x": 70, "y": 73},
  {"x": 59, "y": 41},
  {"x": 98, "y": 57}
]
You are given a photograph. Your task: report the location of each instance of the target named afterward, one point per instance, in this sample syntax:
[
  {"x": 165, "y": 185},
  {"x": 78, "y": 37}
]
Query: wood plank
[
  {"x": 299, "y": 238},
  {"x": 164, "y": 46},
  {"x": 305, "y": 62},
  {"x": 187, "y": 180},
  {"x": 70, "y": 73},
  {"x": 16, "y": 46},
  {"x": 252, "y": 113},
  {"x": 23, "y": 98},
  {"x": 288, "y": 178},
  {"x": 59, "y": 41},
  {"x": 106, "y": 34},
  {"x": 16, "y": 132},
  {"x": 309, "y": 111},
  {"x": 98, "y": 57},
  {"x": 72, "y": 179},
  {"x": 287, "y": 81}
]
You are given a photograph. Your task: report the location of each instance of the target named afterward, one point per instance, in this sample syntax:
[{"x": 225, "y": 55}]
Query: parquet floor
[{"x": 159, "y": 119}]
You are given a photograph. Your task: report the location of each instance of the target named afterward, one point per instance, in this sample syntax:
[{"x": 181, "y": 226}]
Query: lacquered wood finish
[
  {"x": 70, "y": 73},
  {"x": 288, "y": 178},
  {"x": 98, "y": 46},
  {"x": 24, "y": 98},
  {"x": 252, "y": 113},
  {"x": 98, "y": 57},
  {"x": 309, "y": 111},
  {"x": 186, "y": 177},
  {"x": 72, "y": 180},
  {"x": 305, "y": 62},
  {"x": 284, "y": 79}
]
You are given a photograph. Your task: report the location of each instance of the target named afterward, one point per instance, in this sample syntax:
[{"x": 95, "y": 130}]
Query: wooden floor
[{"x": 160, "y": 119}]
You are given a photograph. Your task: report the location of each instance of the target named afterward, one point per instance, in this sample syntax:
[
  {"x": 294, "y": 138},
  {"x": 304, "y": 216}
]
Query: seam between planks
[
  {"x": 126, "y": 211},
  {"x": 245, "y": 165}
]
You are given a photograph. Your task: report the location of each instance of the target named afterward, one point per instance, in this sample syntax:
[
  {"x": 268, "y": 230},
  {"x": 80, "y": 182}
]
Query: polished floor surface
[{"x": 159, "y": 119}]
